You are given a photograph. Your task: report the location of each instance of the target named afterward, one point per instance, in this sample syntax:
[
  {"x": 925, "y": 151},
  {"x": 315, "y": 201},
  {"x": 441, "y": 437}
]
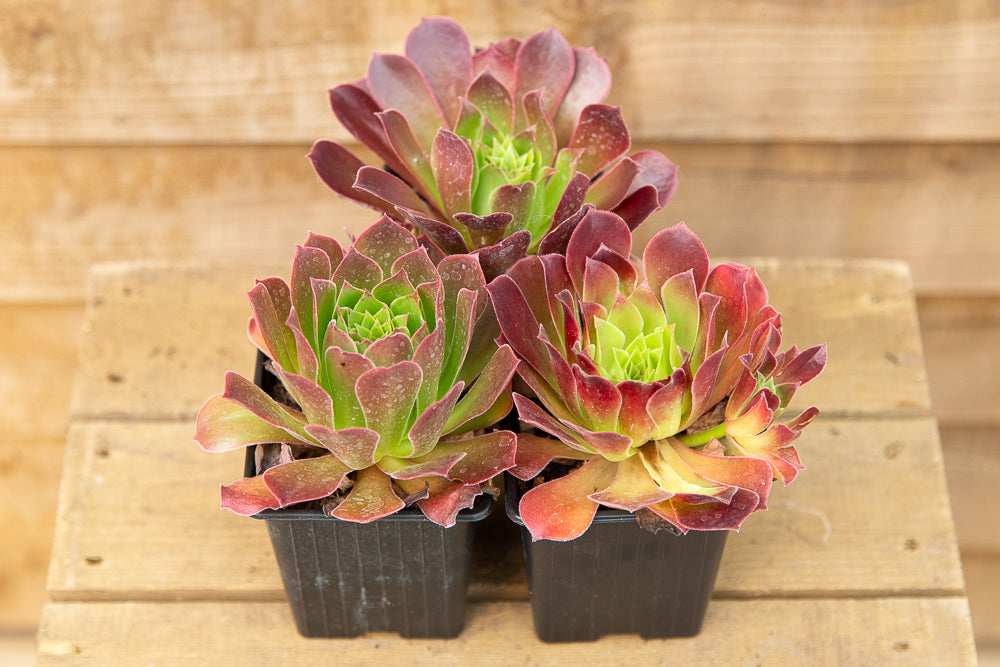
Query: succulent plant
[
  {"x": 659, "y": 379},
  {"x": 487, "y": 151},
  {"x": 393, "y": 375}
]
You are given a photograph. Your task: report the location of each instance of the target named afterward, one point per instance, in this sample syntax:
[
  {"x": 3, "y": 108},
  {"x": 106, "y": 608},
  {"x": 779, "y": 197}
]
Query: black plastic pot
[
  {"x": 618, "y": 578},
  {"x": 402, "y": 573}
]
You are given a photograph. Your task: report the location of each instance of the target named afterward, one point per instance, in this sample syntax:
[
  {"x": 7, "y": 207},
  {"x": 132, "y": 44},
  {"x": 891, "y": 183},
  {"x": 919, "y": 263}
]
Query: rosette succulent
[
  {"x": 392, "y": 379},
  {"x": 485, "y": 151},
  {"x": 659, "y": 381}
]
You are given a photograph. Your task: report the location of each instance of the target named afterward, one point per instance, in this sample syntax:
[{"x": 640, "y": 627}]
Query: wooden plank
[
  {"x": 17, "y": 650},
  {"x": 38, "y": 348},
  {"x": 141, "y": 465},
  {"x": 160, "y": 339},
  {"x": 139, "y": 519},
  {"x": 982, "y": 578},
  {"x": 192, "y": 72},
  {"x": 962, "y": 339},
  {"x": 864, "y": 311},
  {"x": 933, "y": 206},
  {"x": 775, "y": 632},
  {"x": 29, "y": 479},
  {"x": 972, "y": 461},
  {"x": 64, "y": 210}
]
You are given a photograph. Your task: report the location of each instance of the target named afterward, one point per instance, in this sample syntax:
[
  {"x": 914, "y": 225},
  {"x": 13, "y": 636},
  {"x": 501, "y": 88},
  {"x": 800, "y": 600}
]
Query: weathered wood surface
[
  {"x": 200, "y": 71},
  {"x": 982, "y": 576},
  {"x": 139, "y": 520},
  {"x": 774, "y": 632},
  {"x": 159, "y": 340},
  {"x": 29, "y": 479},
  {"x": 862, "y": 546},
  {"x": 38, "y": 345},
  {"x": 45, "y": 335},
  {"x": 63, "y": 209},
  {"x": 38, "y": 348},
  {"x": 973, "y": 467},
  {"x": 18, "y": 649},
  {"x": 972, "y": 463},
  {"x": 964, "y": 367}
]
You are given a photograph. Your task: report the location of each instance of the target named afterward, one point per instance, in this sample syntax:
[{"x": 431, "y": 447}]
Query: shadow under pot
[
  {"x": 618, "y": 578},
  {"x": 402, "y": 573}
]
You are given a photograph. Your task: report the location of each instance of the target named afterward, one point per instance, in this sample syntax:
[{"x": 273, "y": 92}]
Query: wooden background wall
[{"x": 177, "y": 130}]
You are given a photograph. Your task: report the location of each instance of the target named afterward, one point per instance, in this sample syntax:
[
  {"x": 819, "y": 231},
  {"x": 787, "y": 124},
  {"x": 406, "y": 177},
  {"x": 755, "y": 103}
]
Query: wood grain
[
  {"x": 65, "y": 209},
  {"x": 38, "y": 349},
  {"x": 972, "y": 461},
  {"x": 17, "y": 650},
  {"x": 139, "y": 519},
  {"x": 775, "y": 632},
  {"x": 160, "y": 340},
  {"x": 932, "y": 206},
  {"x": 982, "y": 578},
  {"x": 203, "y": 72},
  {"x": 962, "y": 337},
  {"x": 29, "y": 478}
]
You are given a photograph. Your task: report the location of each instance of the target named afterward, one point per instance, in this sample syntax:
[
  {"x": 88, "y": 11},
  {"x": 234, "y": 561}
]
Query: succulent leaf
[
  {"x": 370, "y": 498},
  {"x": 446, "y": 499},
  {"x": 545, "y": 61},
  {"x": 562, "y": 510},
  {"x": 611, "y": 188},
  {"x": 248, "y": 496},
  {"x": 535, "y": 452},
  {"x": 484, "y": 453},
  {"x": 432, "y": 423},
  {"x": 439, "y": 48},
  {"x": 632, "y": 489},
  {"x": 601, "y": 136},
  {"x": 485, "y": 391},
  {"x": 305, "y": 479},
  {"x": 590, "y": 85},
  {"x": 397, "y": 83},
  {"x": 338, "y": 169},
  {"x": 355, "y": 447},
  {"x": 224, "y": 425},
  {"x": 453, "y": 164}
]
